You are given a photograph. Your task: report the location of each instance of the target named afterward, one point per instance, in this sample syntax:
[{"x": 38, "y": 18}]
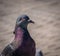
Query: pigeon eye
[{"x": 20, "y": 19}]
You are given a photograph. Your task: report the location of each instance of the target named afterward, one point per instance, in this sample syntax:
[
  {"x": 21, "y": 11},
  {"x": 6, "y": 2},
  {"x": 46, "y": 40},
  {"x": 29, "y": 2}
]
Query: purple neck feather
[{"x": 18, "y": 33}]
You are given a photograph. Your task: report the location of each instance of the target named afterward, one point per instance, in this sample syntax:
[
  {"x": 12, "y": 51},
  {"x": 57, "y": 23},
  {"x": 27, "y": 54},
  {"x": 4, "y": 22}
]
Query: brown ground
[{"x": 45, "y": 31}]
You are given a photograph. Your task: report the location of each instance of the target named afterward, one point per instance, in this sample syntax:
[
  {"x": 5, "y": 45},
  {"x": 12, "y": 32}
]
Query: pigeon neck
[{"x": 19, "y": 33}]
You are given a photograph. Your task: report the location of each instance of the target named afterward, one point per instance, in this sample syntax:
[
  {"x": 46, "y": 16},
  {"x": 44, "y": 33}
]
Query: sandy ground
[{"x": 45, "y": 31}]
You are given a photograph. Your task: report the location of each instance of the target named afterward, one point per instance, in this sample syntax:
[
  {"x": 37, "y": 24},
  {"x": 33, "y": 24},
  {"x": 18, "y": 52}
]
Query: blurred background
[{"x": 45, "y": 31}]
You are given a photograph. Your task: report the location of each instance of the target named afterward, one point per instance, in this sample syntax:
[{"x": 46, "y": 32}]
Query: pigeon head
[{"x": 23, "y": 21}]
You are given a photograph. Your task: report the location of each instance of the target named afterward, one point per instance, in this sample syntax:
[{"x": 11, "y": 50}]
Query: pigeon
[
  {"x": 23, "y": 44},
  {"x": 38, "y": 52}
]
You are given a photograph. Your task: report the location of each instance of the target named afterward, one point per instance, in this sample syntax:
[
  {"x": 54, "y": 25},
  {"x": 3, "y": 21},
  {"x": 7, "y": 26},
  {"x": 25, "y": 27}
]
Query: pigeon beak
[{"x": 30, "y": 21}]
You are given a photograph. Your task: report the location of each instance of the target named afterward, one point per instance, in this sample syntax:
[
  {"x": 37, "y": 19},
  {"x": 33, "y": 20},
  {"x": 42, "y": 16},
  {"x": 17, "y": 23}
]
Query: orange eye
[{"x": 22, "y": 19}]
